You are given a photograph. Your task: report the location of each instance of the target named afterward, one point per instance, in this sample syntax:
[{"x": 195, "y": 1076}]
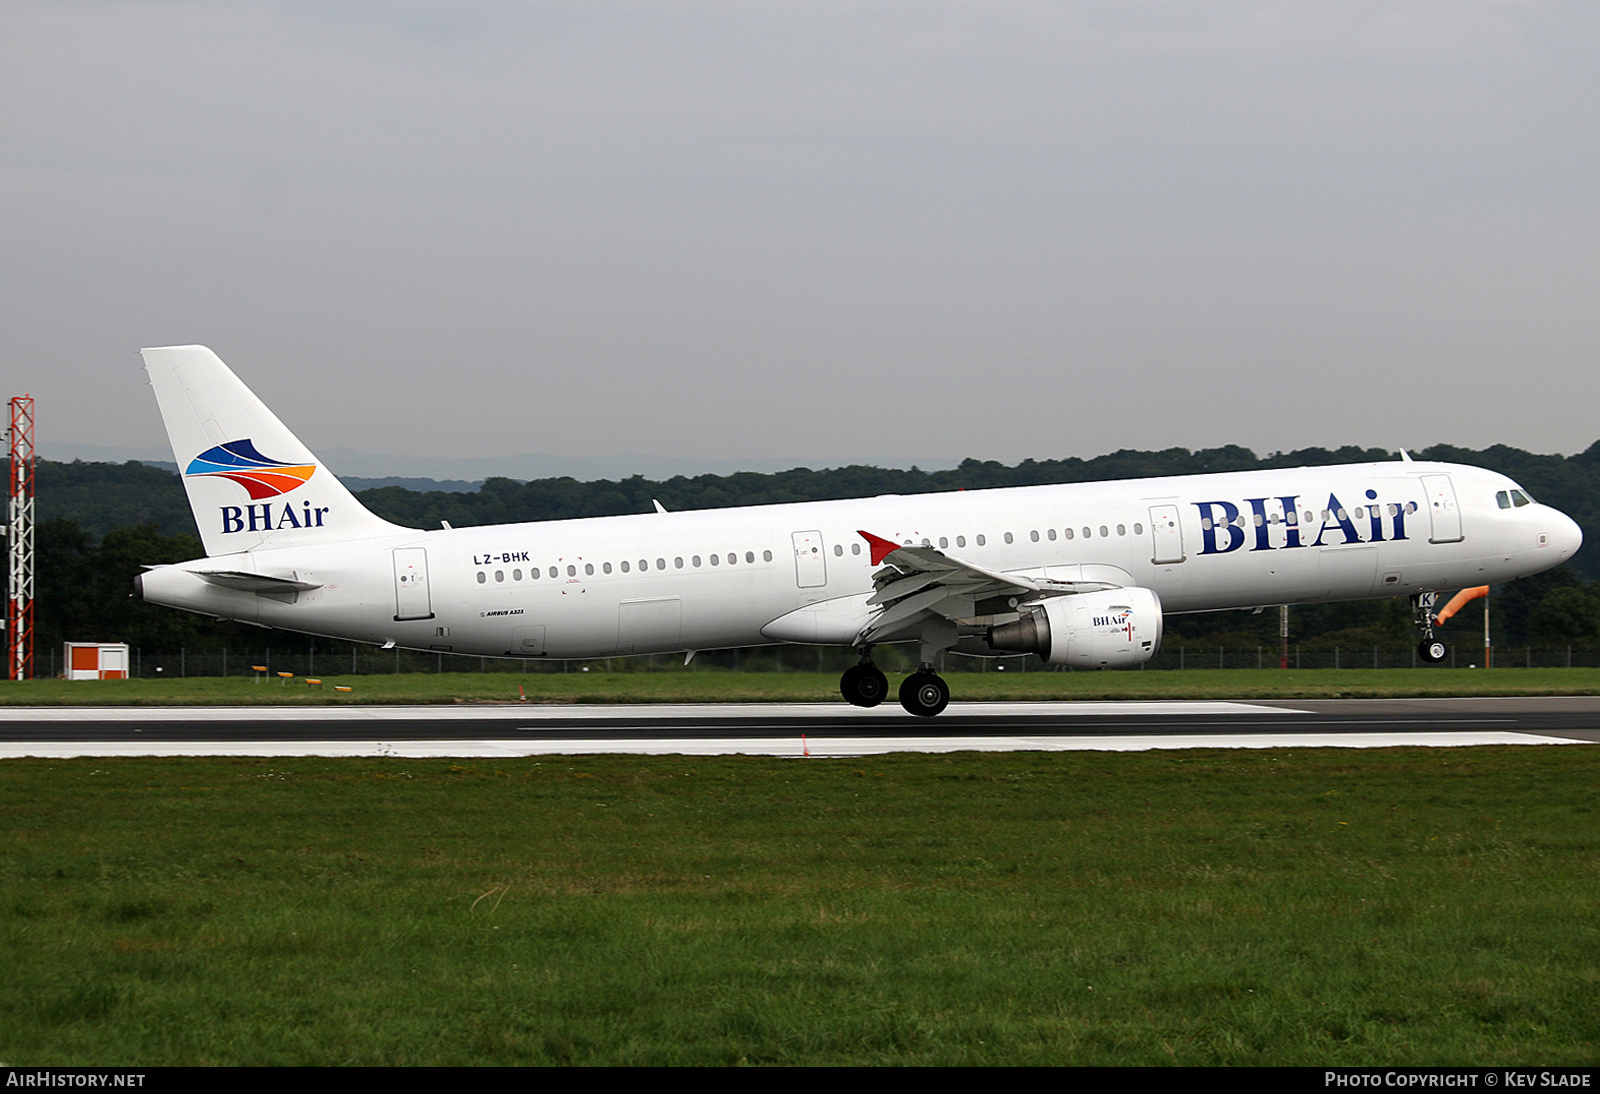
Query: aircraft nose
[{"x": 1566, "y": 536}]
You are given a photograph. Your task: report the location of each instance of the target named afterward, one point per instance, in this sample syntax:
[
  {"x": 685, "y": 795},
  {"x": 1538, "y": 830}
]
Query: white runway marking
[
  {"x": 707, "y": 746},
  {"x": 676, "y": 728}
]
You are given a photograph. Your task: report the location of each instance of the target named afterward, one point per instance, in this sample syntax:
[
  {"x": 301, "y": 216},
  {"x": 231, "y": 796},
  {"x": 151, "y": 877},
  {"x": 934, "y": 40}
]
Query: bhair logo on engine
[{"x": 262, "y": 477}]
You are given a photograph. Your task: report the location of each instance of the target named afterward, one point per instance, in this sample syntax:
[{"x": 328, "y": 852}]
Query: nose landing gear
[{"x": 1431, "y": 650}]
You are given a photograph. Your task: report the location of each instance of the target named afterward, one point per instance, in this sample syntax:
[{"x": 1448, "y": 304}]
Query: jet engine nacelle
[{"x": 1107, "y": 629}]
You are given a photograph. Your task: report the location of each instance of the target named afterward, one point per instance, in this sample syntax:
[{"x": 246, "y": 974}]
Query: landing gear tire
[
  {"x": 1432, "y": 651},
  {"x": 863, "y": 685},
  {"x": 924, "y": 694}
]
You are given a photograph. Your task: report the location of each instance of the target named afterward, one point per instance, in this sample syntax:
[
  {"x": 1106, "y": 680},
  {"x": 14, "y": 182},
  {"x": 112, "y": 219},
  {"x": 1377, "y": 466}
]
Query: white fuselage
[{"x": 725, "y": 578}]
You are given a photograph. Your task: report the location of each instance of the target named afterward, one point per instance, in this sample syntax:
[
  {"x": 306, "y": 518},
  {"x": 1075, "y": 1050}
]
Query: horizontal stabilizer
[{"x": 254, "y": 583}]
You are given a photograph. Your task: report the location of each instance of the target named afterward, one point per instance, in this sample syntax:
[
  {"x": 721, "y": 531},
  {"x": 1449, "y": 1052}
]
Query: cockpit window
[
  {"x": 1519, "y": 498},
  {"x": 1503, "y": 499}
]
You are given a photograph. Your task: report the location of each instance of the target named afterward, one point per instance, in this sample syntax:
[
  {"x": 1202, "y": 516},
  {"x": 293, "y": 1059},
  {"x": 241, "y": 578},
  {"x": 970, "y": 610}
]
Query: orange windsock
[{"x": 1459, "y": 601}]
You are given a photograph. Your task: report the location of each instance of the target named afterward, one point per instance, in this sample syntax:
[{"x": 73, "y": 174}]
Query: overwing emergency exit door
[
  {"x": 810, "y": 565},
  {"x": 1166, "y": 534}
]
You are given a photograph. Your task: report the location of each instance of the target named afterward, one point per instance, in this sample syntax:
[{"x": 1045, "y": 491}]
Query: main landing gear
[
  {"x": 1431, "y": 650},
  {"x": 923, "y": 693},
  {"x": 864, "y": 684}
]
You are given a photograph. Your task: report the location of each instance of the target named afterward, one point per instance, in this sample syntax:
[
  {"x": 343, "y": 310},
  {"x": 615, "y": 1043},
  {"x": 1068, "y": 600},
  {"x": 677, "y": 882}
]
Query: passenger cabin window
[
  {"x": 766, "y": 556},
  {"x": 482, "y": 577},
  {"x": 981, "y": 540}
]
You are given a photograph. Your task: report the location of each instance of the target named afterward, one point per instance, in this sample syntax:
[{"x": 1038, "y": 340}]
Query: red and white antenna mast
[{"x": 19, "y": 542}]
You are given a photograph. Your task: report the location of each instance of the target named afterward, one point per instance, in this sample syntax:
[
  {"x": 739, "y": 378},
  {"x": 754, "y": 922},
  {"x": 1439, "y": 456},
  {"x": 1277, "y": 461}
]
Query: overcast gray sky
[{"x": 835, "y": 232}]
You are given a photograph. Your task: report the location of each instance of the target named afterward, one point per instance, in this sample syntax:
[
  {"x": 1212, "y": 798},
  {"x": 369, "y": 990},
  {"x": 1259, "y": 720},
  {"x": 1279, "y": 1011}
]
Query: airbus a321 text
[{"x": 1079, "y": 574}]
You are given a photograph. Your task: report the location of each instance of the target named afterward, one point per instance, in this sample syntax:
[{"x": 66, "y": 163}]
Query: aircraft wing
[{"x": 916, "y": 581}]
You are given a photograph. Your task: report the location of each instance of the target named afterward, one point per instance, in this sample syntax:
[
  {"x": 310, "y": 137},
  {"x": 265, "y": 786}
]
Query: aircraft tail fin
[{"x": 251, "y": 483}]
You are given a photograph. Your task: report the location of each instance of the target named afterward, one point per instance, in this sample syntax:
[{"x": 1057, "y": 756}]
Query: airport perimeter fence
[{"x": 332, "y": 659}]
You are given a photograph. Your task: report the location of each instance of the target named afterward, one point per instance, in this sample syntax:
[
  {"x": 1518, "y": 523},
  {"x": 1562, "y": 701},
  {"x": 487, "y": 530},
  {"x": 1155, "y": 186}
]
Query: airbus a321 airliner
[{"x": 1079, "y": 574}]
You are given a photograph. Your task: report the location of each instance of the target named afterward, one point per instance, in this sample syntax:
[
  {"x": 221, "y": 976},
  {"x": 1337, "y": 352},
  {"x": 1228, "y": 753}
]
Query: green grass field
[
  {"x": 1289, "y": 906},
  {"x": 1294, "y": 906},
  {"x": 767, "y": 687}
]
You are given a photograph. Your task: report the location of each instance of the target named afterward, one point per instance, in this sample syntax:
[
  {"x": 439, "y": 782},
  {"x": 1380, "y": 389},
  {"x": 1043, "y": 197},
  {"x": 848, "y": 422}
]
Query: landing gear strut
[
  {"x": 924, "y": 693},
  {"x": 1431, "y": 650},
  {"x": 864, "y": 684}
]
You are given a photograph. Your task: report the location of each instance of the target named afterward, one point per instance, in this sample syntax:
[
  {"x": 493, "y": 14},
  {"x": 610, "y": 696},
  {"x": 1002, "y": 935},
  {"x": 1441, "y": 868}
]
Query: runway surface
[{"x": 823, "y": 729}]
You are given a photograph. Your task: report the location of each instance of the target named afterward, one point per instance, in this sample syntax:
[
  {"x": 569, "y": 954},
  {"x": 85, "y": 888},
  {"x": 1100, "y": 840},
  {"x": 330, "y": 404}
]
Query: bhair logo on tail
[
  {"x": 207, "y": 409},
  {"x": 240, "y": 462}
]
